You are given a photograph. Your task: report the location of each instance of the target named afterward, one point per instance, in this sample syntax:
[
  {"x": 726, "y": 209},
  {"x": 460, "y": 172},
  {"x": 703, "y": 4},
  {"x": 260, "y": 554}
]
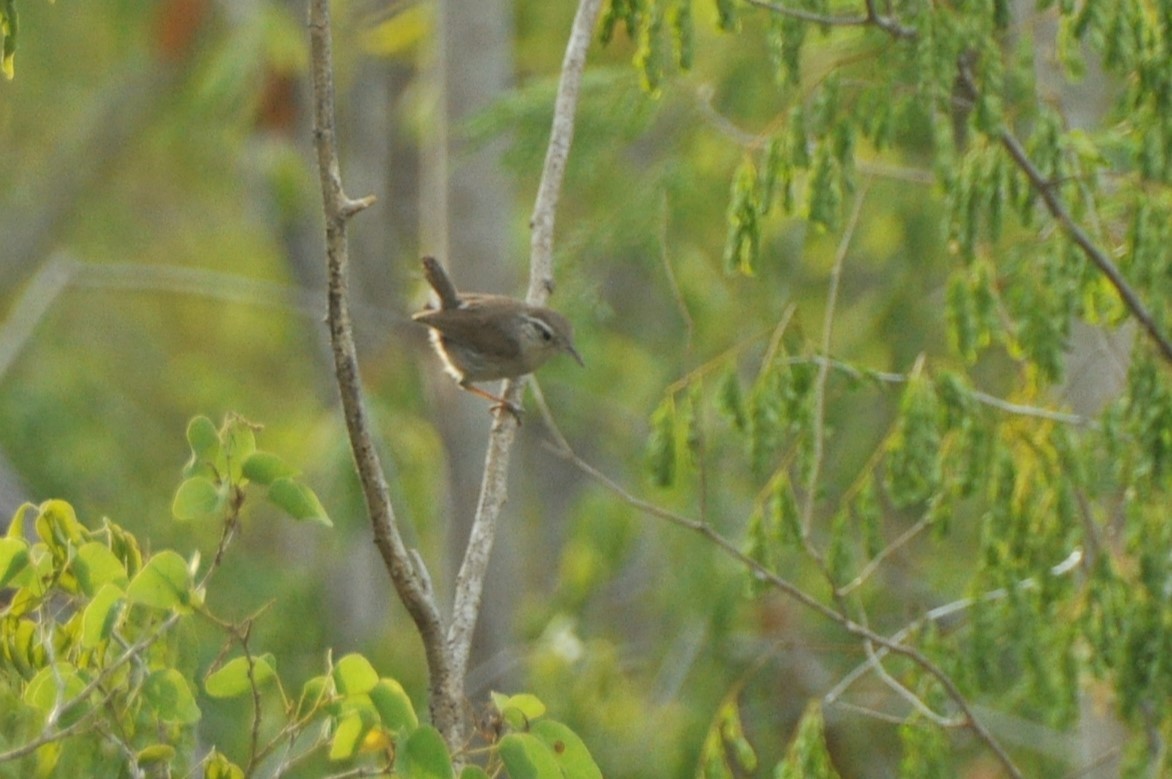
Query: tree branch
[
  {"x": 338, "y": 208},
  {"x": 1073, "y": 229},
  {"x": 494, "y": 486},
  {"x": 759, "y": 571}
]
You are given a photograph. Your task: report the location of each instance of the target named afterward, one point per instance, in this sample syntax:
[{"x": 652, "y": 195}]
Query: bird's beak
[{"x": 574, "y": 353}]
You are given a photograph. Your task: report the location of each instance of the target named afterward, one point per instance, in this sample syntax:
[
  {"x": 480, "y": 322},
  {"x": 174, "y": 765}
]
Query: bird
[{"x": 485, "y": 337}]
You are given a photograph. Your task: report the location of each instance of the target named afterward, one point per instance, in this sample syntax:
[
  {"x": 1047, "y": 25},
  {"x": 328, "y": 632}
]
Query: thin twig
[
  {"x": 873, "y": 564},
  {"x": 819, "y": 390},
  {"x": 444, "y": 692},
  {"x": 1070, "y": 563},
  {"x": 494, "y": 486}
]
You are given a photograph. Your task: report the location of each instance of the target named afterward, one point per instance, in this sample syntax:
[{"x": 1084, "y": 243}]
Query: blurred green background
[{"x": 161, "y": 257}]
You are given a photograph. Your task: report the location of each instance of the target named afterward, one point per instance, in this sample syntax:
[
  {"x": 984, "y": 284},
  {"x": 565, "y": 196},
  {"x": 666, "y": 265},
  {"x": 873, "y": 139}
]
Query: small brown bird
[{"x": 484, "y": 337}]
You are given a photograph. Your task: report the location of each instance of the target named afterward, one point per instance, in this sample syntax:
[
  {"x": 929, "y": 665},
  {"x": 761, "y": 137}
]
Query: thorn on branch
[{"x": 351, "y": 207}]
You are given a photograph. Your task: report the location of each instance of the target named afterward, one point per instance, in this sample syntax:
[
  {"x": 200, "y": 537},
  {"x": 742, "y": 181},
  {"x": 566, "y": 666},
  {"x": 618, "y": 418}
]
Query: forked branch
[{"x": 410, "y": 583}]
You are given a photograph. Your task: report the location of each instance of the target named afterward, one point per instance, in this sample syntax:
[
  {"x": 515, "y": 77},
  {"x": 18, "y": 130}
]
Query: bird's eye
[{"x": 546, "y": 335}]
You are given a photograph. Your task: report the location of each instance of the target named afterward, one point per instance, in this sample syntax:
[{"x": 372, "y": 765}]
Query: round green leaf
[
  {"x": 265, "y": 467},
  {"x": 204, "y": 439},
  {"x": 527, "y": 757},
  {"x": 347, "y": 737},
  {"x": 54, "y": 685},
  {"x": 13, "y": 558},
  {"x": 393, "y": 706},
  {"x": 101, "y": 615},
  {"x": 354, "y": 675},
  {"x": 239, "y": 443},
  {"x": 353, "y": 726},
  {"x": 526, "y": 704},
  {"x": 231, "y": 679},
  {"x": 199, "y": 498},
  {"x": 57, "y": 525},
  {"x": 298, "y": 501},
  {"x": 424, "y": 755},
  {"x": 95, "y": 565},
  {"x": 568, "y": 749},
  {"x": 163, "y": 583},
  {"x": 167, "y": 692}
]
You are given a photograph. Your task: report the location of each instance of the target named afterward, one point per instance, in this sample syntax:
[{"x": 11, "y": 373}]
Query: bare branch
[
  {"x": 494, "y": 486},
  {"x": 561, "y": 135},
  {"x": 410, "y": 586},
  {"x": 819, "y": 421}
]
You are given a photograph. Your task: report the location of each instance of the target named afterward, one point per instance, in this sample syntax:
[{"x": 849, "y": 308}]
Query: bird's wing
[{"x": 469, "y": 321}]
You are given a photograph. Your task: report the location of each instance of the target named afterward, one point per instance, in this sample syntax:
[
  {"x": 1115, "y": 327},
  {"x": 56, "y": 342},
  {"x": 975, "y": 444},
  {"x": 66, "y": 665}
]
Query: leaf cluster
[{"x": 94, "y": 655}]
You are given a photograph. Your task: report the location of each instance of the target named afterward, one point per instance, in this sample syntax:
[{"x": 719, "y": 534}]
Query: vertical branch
[
  {"x": 824, "y": 364},
  {"x": 410, "y": 583},
  {"x": 561, "y": 134},
  {"x": 494, "y": 487}
]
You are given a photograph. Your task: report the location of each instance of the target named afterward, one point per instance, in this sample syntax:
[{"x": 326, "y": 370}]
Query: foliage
[
  {"x": 1028, "y": 489},
  {"x": 96, "y": 672},
  {"x": 907, "y": 453}
]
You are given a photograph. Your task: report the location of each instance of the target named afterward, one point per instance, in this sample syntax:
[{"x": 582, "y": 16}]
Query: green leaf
[
  {"x": 55, "y": 685},
  {"x": 265, "y": 468},
  {"x": 424, "y": 755},
  {"x": 95, "y": 565},
  {"x": 155, "y": 755},
  {"x": 394, "y": 706},
  {"x": 198, "y": 498},
  {"x": 661, "y": 448},
  {"x": 167, "y": 692},
  {"x": 204, "y": 440},
  {"x": 650, "y": 56},
  {"x": 913, "y": 467},
  {"x": 16, "y": 524},
  {"x": 726, "y": 15},
  {"x": 298, "y": 501},
  {"x": 8, "y": 29},
  {"x": 232, "y": 680},
  {"x": 220, "y": 767},
  {"x": 568, "y": 750},
  {"x": 101, "y": 615},
  {"x": 354, "y": 675},
  {"x": 725, "y": 742},
  {"x": 239, "y": 444},
  {"x": 13, "y": 558},
  {"x": 352, "y": 728},
  {"x": 58, "y": 527},
  {"x": 731, "y": 400},
  {"x": 743, "y": 241},
  {"x": 807, "y": 756},
  {"x": 527, "y": 757},
  {"x": 683, "y": 34},
  {"x": 163, "y": 583},
  {"x": 527, "y": 704}
]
